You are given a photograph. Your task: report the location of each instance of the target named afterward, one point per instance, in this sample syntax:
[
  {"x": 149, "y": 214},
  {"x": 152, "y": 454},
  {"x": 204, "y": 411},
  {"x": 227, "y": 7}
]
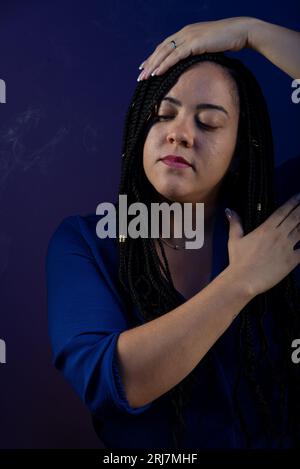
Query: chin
[
  {"x": 174, "y": 196},
  {"x": 170, "y": 190}
]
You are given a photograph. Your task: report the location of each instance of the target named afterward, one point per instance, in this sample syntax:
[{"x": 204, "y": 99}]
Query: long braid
[
  {"x": 149, "y": 283},
  {"x": 256, "y": 188}
]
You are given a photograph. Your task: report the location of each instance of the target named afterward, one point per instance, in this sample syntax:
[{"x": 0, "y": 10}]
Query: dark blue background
[{"x": 70, "y": 69}]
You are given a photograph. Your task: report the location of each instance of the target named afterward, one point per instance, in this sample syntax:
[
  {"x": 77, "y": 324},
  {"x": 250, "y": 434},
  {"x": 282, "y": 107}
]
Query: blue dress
[{"x": 86, "y": 314}]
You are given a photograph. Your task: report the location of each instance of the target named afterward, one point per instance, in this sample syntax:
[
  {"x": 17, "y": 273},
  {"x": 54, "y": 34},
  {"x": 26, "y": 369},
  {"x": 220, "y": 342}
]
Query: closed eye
[{"x": 199, "y": 123}]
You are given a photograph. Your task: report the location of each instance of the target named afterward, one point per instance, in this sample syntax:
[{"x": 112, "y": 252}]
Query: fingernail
[
  {"x": 154, "y": 71},
  {"x": 141, "y": 75},
  {"x": 141, "y": 66},
  {"x": 228, "y": 212}
]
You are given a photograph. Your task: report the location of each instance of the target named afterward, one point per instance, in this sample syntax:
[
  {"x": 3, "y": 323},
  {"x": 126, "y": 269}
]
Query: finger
[
  {"x": 150, "y": 67},
  {"x": 178, "y": 54},
  {"x": 160, "y": 54},
  {"x": 275, "y": 220},
  {"x": 162, "y": 46},
  {"x": 292, "y": 220},
  {"x": 148, "y": 63},
  {"x": 296, "y": 257},
  {"x": 235, "y": 226},
  {"x": 294, "y": 235}
]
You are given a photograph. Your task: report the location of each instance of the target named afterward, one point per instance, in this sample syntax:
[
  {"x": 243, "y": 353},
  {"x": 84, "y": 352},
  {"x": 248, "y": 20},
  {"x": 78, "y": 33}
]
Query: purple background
[{"x": 70, "y": 69}]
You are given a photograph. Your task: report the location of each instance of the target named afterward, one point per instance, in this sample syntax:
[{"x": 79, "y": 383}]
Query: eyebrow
[{"x": 198, "y": 106}]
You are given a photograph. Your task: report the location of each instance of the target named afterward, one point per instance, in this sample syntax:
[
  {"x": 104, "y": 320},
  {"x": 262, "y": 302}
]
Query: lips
[{"x": 176, "y": 161}]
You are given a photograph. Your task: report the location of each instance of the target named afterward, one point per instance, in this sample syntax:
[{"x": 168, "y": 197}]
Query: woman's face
[{"x": 204, "y": 136}]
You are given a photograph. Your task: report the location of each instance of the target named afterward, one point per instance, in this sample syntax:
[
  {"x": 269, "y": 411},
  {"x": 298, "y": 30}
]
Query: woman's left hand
[{"x": 197, "y": 38}]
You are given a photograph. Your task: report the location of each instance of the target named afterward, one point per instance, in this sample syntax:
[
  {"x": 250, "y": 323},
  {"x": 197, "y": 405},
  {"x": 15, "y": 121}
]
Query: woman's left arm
[{"x": 278, "y": 44}]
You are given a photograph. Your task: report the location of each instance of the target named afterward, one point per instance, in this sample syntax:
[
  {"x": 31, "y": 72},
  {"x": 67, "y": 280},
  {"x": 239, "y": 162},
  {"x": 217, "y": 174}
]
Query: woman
[{"x": 171, "y": 348}]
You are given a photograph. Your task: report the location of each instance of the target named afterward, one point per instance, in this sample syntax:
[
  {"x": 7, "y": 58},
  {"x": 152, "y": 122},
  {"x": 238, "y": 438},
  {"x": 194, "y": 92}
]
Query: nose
[{"x": 181, "y": 133}]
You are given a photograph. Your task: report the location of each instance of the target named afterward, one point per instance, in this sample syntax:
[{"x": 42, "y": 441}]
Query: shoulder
[
  {"x": 72, "y": 230},
  {"x": 80, "y": 266},
  {"x": 77, "y": 228},
  {"x": 77, "y": 235}
]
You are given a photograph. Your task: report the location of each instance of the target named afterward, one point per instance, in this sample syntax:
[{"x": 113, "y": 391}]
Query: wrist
[
  {"x": 243, "y": 289},
  {"x": 255, "y": 27}
]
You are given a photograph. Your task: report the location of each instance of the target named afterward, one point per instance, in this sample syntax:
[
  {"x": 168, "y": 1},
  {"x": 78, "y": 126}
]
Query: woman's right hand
[{"x": 266, "y": 255}]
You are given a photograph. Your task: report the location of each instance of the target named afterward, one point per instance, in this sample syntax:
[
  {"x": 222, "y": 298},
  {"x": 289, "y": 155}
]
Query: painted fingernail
[
  {"x": 141, "y": 75},
  {"x": 141, "y": 66},
  {"x": 228, "y": 213},
  {"x": 154, "y": 71}
]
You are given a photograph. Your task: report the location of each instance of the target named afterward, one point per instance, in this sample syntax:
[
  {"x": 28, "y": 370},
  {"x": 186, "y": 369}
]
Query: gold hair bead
[
  {"x": 122, "y": 238},
  {"x": 155, "y": 112},
  {"x": 259, "y": 207}
]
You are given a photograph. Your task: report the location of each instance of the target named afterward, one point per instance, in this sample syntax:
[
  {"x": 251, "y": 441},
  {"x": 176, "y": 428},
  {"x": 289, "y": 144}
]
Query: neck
[{"x": 210, "y": 208}]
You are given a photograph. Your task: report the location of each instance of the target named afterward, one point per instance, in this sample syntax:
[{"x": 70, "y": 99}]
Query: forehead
[{"x": 205, "y": 82}]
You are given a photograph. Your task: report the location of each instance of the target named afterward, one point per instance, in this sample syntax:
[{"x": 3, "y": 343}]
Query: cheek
[
  {"x": 146, "y": 157},
  {"x": 219, "y": 153},
  {"x": 225, "y": 143},
  {"x": 149, "y": 152}
]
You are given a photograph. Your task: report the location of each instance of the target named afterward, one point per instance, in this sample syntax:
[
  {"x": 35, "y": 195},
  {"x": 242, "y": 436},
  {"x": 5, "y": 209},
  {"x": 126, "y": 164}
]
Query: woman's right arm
[
  {"x": 157, "y": 355},
  {"x": 90, "y": 327}
]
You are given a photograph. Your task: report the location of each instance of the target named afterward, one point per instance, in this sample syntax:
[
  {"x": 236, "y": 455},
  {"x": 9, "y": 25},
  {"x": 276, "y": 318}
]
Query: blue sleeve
[{"x": 85, "y": 320}]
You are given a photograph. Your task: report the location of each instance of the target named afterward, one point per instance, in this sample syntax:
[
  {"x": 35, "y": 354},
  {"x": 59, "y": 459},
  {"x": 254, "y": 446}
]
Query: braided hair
[{"x": 248, "y": 184}]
